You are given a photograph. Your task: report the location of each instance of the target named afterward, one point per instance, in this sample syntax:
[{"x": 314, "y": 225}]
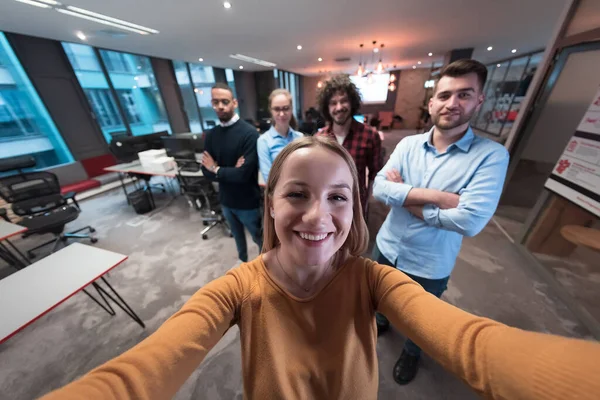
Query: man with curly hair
[{"x": 339, "y": 101}]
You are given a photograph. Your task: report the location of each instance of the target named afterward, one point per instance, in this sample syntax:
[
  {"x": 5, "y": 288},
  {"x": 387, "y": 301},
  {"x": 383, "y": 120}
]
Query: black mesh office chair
[
  {"x": 36, "y": 197},
  {"x": 201, "y": 195}
]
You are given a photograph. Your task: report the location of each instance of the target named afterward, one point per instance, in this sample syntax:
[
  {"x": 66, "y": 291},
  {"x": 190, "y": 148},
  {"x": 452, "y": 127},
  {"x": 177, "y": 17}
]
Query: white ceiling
[{"x": 271, "y": 29}]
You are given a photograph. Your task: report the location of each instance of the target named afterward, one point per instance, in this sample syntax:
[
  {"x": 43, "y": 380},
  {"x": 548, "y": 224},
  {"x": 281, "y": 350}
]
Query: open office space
[{"x": 111, "y": 213}]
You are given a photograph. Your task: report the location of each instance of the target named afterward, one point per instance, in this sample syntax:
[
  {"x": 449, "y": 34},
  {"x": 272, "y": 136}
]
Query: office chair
[
  {"x": 36, "y": 197},
  {"x": 201, "y": 195}
]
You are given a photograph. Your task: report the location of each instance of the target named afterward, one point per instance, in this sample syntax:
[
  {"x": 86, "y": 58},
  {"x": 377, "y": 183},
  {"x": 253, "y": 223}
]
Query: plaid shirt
[{"x": 364, "y": 145}]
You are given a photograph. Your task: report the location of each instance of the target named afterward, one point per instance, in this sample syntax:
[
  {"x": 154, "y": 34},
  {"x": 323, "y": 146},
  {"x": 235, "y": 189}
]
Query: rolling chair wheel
[
  {"x": 205, "y": 223},
  {"x": 94, "y": 240},
  {"x": 204, "y": 237},
  {"x": 92, "y": 230},
  {"x": 231, "y": 235}
]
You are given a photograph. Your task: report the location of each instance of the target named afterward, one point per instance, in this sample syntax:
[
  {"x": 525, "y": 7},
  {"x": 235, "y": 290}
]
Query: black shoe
[
  {"x": 406, "y": 368},
  {"x": 382, "y": 326}
]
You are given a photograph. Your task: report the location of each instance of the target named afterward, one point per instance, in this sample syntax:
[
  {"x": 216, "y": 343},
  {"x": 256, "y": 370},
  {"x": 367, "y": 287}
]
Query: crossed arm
[
  {"x": 246, "y": 165},
  {"x": 466, "y": 212}
]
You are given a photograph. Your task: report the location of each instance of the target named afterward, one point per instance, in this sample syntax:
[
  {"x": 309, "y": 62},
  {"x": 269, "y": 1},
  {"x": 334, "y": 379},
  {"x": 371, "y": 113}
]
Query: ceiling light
[
  {"x": 392, "y": 78},
  {"x": 392, "y": 87},
  {"x": 513, "y": 51},
  {"x": 195, "y": 90},
  {"x": 319, "y": 59},
  {"x": 227, "y": 5},
  {"x": 490, "y": 48},
  {"x": 252, "y": 60},
  {"x": 111, "y": 19},
  {"x": 414, "y": 67},
  {"x": 498, "y": 65},
  {"x": 135, "y": 78},
  {"x": 379, "y": 68},
  {"x": 34, "y": 3},
  {"x": 51, "y": 2},
  {"x": 419, "y": 62},
  {"x": 430, "y": 54},
  {"x": 319, "y": 84},
  {"x": 201, "y": 59},
  {"x": 299, "y": 47},
  {"x": 135, "y": 87},
  {"x": 81, "y": 35},
  {"x": 376, "y": 50},
  {"x": 100, "y": 21},
  {"x": 241, "y": 67}
]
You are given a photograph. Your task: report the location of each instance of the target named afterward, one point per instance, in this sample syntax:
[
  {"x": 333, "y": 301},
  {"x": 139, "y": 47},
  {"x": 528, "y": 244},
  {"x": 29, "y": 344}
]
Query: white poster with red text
[{"x": 576, "y": 175}]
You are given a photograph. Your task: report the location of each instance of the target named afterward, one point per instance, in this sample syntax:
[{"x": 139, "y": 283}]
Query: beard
[
  {"x": 341, "y": 117},
  {"x": 447, "y": 125},
  {"x": 225, "y": 116}
]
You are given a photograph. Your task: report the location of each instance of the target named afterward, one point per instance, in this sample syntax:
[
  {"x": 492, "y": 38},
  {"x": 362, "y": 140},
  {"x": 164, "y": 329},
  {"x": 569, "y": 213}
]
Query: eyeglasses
[{"x": 278, "y": 110}]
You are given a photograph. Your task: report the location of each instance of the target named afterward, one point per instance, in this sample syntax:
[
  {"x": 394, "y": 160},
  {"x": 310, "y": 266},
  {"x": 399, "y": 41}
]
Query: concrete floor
[{"x": 168, "y": 262}]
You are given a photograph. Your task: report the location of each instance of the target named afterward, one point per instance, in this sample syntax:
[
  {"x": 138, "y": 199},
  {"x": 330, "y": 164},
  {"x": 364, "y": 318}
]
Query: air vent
[
  {"x": 342, "y": 59},
  {"x": 112, "y": 33}
]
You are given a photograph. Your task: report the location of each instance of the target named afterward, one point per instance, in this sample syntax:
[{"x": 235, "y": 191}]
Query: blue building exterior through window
[
  {"x": 138, "y": 94},
  {"x": 26, "y": 128}
]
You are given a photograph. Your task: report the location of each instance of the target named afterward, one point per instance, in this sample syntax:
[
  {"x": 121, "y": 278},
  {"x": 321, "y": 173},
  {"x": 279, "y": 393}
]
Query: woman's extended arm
[
  {"x": 159, "y": 365},
  {"x": 495, "y": 360}
]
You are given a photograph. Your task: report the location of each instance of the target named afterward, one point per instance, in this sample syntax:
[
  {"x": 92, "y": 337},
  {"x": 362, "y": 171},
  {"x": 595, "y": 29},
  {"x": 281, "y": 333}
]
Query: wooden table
[
  {"x": 580, "y": 235},
  {"x": 32, "y": 292},
  {"x": 8, "y": 230}
]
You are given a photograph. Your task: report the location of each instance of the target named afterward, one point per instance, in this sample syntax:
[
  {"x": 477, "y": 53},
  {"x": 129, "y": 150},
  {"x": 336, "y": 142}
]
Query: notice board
[{"x": 576, "y": 175}]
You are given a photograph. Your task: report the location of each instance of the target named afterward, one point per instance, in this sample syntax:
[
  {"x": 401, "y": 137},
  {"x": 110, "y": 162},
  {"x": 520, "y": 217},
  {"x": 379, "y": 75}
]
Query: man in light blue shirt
[
  {"x": 270, "y": 144},
  {"x": 441, "y": 185}
]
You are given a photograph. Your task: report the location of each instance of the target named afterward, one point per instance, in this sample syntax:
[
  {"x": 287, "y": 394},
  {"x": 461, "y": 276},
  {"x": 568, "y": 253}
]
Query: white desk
[
  {"x": 135, "y": 167},
  {"x": 32, "y": 292},
  {"x": 8, "y": 230}
]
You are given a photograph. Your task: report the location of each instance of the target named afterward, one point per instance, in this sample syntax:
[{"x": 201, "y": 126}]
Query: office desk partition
[{"x": 30, "y": 293}]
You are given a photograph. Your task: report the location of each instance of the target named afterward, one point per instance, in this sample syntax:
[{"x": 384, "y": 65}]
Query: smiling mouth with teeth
[{"x": 314, "y": 238}]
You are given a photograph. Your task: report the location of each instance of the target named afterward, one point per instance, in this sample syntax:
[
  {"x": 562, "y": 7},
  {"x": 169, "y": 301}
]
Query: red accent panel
[
  {"x": 95, "y": 166},
  {"x": 80, "y": 186},
  {"x": 60, "y": 302}
]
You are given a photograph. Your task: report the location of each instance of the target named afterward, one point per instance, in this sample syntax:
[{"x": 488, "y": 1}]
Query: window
[
  {"x": 188, "y": 95},
  {"x": 138, "y": 94},
  {"x": 89, "y": 73},
  {"x": 505, "y": 89},
  {"x": 25, "y": 125},
  {"x": 203, "y": 78}
]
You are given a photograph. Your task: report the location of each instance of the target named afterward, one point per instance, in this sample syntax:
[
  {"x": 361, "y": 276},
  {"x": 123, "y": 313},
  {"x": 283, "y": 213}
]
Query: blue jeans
[
  {"x": 434, "y": 286},
  {"x": 238, "y": 219}
]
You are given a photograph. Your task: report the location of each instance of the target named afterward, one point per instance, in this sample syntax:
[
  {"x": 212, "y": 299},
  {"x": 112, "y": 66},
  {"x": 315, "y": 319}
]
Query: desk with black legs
[
  {"x": 14, "y": 257},
  {"x": 36, "y": 290},
  {"x": 136, "y": 167}
]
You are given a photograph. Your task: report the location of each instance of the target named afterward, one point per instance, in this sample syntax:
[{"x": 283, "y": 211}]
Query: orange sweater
[{"x": 323, "y": 347}]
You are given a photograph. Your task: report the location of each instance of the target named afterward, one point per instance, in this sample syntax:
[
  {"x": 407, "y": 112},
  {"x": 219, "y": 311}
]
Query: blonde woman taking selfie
[{"x": 306, "y": 311}]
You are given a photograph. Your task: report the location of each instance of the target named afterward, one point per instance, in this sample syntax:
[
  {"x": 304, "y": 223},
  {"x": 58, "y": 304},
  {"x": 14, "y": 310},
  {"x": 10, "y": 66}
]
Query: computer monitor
[{"x": 184, "y": 147}]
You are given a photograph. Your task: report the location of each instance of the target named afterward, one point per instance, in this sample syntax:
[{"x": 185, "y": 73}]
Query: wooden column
[{"x": 545, "y": 237}]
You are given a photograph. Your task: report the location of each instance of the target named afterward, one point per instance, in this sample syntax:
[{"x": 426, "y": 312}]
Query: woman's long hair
[
  {"x": 358, "y": 237},
  {"x": 286, "y": 93}
]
